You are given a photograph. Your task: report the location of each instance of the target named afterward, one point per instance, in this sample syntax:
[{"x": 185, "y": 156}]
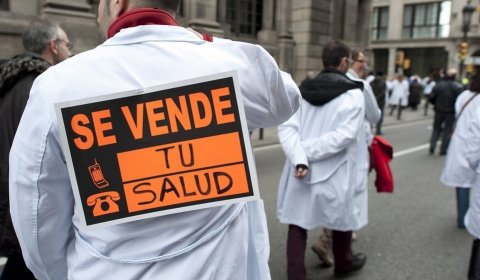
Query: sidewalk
[{"x": 270, "y": 134}]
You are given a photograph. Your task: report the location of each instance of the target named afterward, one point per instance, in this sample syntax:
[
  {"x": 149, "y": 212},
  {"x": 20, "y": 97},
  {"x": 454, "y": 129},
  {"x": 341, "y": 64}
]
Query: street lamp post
[{"x": 467, "y": 13}]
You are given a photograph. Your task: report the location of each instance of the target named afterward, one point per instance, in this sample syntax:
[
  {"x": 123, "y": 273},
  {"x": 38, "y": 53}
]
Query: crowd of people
[{"x": 324, "y": 126}]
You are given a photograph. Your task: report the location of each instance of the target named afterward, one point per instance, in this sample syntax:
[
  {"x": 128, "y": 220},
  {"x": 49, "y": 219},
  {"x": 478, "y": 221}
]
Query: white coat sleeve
[
  {"x": 289, "y": 137},
  {"x": 41, "y": 200},
  {"x": 271, "y": 96},
  {"x": 389, "y": 85},
  {"x": 350, "y": 123},
  {"x": 372, "y": 111},
  {"x": 472, "y": 143}
]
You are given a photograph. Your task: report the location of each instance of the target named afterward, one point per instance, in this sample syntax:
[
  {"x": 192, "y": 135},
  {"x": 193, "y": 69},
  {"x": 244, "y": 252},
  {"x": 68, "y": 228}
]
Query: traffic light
[
  {"x": 399, "y": 58},
  {"x": 463, "y": 50}
]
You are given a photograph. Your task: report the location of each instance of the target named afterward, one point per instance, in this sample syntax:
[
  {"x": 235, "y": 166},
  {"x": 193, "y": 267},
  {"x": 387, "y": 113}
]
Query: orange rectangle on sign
[
  {"x": 187, "y": 188},
  {"x": 180, "y": 157}
]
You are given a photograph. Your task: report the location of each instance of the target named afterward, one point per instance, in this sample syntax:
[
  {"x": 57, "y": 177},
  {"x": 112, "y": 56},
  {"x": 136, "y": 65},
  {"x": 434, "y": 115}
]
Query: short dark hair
[
  {"x": 38, "y": 34},
  {"x": 168, "y": 5},
  {"x": 333, "y": 52}
]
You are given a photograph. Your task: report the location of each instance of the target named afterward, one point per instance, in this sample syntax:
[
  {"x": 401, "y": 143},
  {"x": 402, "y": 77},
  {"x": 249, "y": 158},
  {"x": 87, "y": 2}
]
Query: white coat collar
[{"x": 146, "y": 33}]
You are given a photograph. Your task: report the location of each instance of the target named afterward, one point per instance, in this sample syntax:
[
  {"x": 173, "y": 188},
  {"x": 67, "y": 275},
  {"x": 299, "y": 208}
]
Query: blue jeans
[{"x": 462, "y": 195}]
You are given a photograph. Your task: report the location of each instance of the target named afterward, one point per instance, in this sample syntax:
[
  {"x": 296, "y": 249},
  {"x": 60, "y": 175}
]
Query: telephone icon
[
  {"x": 97, "y": 175},
  {"x": 104, "y": 203}
]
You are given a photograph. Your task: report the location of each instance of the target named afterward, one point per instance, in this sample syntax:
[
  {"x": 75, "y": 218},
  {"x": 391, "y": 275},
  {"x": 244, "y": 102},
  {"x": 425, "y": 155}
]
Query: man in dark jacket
[
  {"x": 443, "y": 97},
  {"x": 379, "y": 88},
  {"x": 46, "y": 44}
]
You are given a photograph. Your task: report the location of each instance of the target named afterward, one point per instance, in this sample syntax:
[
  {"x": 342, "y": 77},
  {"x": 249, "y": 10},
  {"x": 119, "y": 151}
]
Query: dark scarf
[
  {"x": 326, "y": 86},
  {"x": 18, "y": 67},
  {"x": 142, "y": 16}
]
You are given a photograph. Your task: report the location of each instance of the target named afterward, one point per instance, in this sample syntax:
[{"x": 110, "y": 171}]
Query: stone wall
[{"x": 293, "y": 31}]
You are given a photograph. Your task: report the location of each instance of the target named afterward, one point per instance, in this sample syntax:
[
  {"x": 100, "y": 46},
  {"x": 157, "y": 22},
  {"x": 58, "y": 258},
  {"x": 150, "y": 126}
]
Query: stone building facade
[
  {"x": 293, "y": 31},
  {"x": 419, "y": 36}
]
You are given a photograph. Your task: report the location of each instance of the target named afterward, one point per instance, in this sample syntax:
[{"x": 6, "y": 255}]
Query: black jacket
[
  {"x": 326, "y": 86},
  {"x": 444, "y": 95},
  {"x": 16, "y": 79},
  {"x": 379, "y": 88}
]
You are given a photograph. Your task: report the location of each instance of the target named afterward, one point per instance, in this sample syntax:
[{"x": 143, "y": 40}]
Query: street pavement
[
  {"x": 411, "y": 234},
  {"x": 269, "y": 135}
]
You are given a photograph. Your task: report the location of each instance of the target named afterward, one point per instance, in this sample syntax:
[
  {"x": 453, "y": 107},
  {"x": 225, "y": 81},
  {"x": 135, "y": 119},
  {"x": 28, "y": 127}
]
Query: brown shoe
[
  {"x": 324, "y": 256},
  {"x": 323, "y": 247}
]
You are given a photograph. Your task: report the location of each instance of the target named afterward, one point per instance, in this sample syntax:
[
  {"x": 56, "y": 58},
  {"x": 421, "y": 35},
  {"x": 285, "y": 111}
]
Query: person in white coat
[
  {"x": 399, "y": 96},
  {"x": 462, "y": 165},
  {"x": 372, "y": 116},
  {"x": 144, "y": 48},
  {"x": 322, "y": 143}
]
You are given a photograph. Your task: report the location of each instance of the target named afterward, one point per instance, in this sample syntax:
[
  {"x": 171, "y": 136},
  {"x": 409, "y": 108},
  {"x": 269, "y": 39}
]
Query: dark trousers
[
  {"x": 425, "y": 108},
  {"x": 462, "y": 196},
  {"x": 297, "y": 243},
  {"x": 399, "y": 114},
  {"x": 16, "y": 269},
  {"x": 342, "y": 249},
  {"x": 474, "y": 268},
  {"x": 445, "y": 120}
]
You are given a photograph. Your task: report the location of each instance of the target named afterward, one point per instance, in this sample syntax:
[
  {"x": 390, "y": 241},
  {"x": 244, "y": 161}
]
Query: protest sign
[{"x": 158, "y": 151}]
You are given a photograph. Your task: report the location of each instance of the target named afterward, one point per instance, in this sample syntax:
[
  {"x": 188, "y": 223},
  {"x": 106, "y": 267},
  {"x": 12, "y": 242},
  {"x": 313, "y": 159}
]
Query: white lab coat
[
  {"x": 327, "y": 139},
  {"x": 228, "y": 242},
  {"x": 372, "y": 112},
  {"x": 400, "y": 92},
  {"x": 462, "y": 165},
  {"x": 372, "y": 116}
]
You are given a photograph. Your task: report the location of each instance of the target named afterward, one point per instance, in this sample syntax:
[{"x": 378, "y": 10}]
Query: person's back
[
  {"x": 416, "y": 90},
  {"x": 379, "y": 88},
  {"x": 323, "y": 143},
  {"x": 444, "y": 95},
  {"x": 192, "y": 245},
  {"x": 327, "y": 163}
]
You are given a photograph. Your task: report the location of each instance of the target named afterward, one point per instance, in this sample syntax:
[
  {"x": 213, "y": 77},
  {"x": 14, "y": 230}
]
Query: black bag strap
[{"x": 466, "y": 103}]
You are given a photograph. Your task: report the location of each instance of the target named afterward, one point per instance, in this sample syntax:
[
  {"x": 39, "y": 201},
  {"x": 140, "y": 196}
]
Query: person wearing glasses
[
  {"x": 322, "y": 143},
  {"x": 356, "y": 72},
  {"x": 45, "y": 44}
]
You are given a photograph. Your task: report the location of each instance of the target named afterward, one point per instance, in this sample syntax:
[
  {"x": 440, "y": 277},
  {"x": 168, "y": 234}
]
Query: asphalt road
[{"x": 411, "y": 233}]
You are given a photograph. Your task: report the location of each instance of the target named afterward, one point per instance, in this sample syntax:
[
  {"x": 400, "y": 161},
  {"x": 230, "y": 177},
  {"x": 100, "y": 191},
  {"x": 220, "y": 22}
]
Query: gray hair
[{"x": 38, "y": 34}]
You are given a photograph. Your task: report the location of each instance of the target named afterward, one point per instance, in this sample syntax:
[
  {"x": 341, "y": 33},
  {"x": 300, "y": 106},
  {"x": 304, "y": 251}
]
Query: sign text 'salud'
[{"x": 173, "y": 148}]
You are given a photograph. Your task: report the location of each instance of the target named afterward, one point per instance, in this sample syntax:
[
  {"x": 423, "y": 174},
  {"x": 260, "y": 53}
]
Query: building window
[
  {"x": 4, "y": 5},
  {"x": 379, "y": 23},
  {"x": 244, "y": 16},
  {"x": 427, "y": 20}
]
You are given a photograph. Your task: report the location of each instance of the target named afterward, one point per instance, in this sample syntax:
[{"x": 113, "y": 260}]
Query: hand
[{"x": 301, "y": 171}]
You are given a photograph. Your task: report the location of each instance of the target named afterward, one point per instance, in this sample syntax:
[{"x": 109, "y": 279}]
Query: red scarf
[
  {"x": 145, "y": 16},
  {"x": 142, "y": 16}
]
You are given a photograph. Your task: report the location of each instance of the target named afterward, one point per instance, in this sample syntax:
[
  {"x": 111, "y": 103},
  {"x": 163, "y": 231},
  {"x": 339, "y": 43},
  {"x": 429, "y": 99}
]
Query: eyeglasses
[
  {"x": 360, "y": 60},
  {"x": 67, "y": 44}
]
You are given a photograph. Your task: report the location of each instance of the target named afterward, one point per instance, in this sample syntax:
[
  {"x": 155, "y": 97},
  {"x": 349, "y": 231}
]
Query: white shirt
[{"x": 228, "y": 242}]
